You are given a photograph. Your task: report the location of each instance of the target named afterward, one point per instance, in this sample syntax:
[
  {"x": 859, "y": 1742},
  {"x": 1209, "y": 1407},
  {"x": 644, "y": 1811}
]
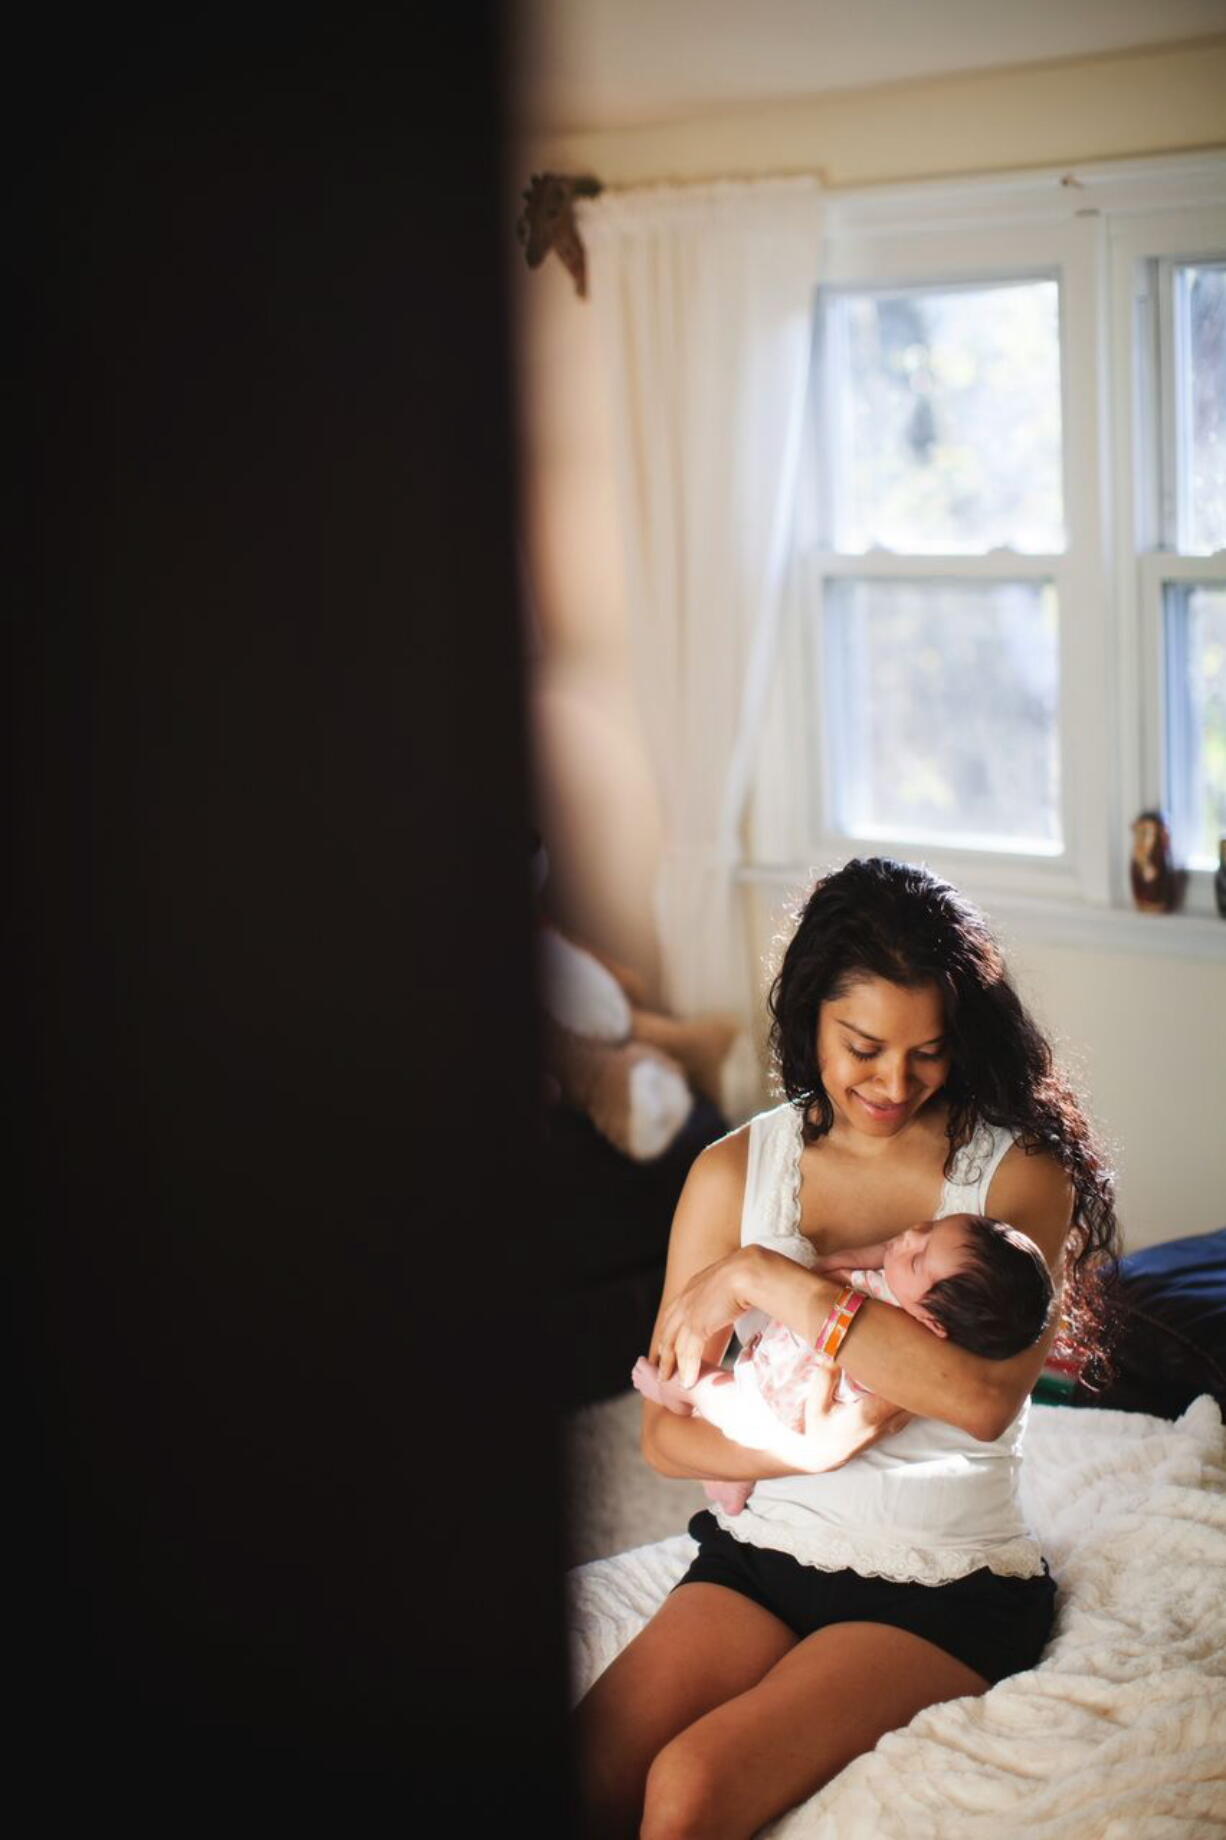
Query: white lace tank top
[{"x": 930, "y": 1503}]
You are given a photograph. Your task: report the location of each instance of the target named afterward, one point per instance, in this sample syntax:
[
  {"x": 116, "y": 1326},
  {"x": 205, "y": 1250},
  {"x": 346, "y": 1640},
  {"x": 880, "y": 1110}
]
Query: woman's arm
[
  {"x": 706, "y": 1228},
  {"x": 705, "y": 1232},
  {"x": 887, "y": 1350}
]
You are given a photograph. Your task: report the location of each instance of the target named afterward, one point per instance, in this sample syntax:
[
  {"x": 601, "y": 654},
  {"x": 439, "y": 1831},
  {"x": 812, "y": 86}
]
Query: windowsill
[
  {"x": 1110, "y": 929},
  {"x": 1028, "y": 919}
]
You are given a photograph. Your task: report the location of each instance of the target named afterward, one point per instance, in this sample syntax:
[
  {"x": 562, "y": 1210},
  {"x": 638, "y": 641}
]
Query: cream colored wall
[
  {"x": 1148, "y": 1030},
  {"x": 1141, "y": 1038},
  {"x": 1139, "y": 102},
  {"x": 1146, "y": 1040}
]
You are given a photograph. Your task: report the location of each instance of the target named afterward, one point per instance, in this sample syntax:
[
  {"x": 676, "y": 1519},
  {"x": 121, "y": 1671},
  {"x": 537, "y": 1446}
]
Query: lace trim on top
[
  {"x": 830, "y": 1551},
  {"x": 772, "y": 1200},
  {"x": 779, "y": 1174}
]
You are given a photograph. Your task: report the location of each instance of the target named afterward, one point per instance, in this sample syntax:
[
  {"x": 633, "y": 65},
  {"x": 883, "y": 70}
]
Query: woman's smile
[{"x": 880, "y": 1108}]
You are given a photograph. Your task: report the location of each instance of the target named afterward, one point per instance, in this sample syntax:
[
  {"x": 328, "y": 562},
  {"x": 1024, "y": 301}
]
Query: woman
[{"x": 895, "y": 1570}]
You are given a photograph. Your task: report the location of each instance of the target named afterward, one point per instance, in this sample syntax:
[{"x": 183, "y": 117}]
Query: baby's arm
[{"x": 854, "y": 1258}]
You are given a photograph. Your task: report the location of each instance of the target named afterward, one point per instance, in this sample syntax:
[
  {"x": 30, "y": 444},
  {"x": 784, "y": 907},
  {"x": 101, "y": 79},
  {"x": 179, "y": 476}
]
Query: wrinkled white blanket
[{"x": 1119, "y": 1733}]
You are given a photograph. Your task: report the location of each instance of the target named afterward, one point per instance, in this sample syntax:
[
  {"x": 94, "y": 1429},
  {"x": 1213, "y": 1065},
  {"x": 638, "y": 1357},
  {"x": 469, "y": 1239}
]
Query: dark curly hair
[
  {"x": 1000, "y": 1302},
  {"x": 875, "y": 917}
]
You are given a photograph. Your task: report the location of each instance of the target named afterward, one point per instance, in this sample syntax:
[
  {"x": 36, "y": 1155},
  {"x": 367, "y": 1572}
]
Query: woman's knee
[{"x": 682, "y": 1800}]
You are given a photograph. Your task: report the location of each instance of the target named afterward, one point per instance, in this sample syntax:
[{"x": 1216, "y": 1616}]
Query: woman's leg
[
  {"x": 825, "y": 1702},
  {"x": 706, "y": 1644}
]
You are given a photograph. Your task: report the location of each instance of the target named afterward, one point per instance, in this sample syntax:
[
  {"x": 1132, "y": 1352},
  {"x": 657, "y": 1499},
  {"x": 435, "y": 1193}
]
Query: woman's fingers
[
  {"x": 688, "y": 1352},
  {"x": 835, "y": 1432},
  {"x": 706, "y": 1305},
  {"x": 819, "y": 1400}
]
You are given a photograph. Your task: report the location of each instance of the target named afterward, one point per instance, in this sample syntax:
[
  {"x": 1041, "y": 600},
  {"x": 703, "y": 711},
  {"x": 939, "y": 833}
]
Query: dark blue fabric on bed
[{"x": 1172, "y": 1345}]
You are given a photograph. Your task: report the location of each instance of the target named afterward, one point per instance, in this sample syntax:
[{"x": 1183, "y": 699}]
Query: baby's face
[{"x": 922, "y": 1256}]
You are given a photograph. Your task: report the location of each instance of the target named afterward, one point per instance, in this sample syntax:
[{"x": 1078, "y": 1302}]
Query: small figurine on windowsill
[
  {"x": 1152, "y": 872},
  {"x": 1219, "y": 879}
]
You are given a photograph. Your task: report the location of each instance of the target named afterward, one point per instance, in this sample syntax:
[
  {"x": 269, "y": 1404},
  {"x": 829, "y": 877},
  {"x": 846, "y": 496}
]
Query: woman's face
[{"x": 882, "y": 1053}]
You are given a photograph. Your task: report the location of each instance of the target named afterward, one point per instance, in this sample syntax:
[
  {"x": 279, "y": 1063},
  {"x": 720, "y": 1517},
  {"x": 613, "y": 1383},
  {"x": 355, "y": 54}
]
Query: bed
[{"x": 1119, "y": 1733}]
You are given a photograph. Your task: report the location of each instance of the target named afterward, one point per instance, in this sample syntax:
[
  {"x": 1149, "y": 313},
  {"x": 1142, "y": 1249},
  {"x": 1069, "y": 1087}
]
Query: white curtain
[{"x": 705, "y": 297}]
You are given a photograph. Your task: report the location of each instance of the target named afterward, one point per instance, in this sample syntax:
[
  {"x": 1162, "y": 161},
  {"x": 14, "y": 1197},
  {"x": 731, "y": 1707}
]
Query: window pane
[
  {"x": 942, "y": 706},
  {"x": 1200, "y": 295},
  {"x": 1196, "y": 719},
  {"x": 945, "y": 419}
]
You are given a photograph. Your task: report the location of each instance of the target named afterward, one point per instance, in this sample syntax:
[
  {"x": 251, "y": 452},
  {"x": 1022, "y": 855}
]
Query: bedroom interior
[
  {"x": 904, "y": 146},
  {"x": 276, "y": 1017}
]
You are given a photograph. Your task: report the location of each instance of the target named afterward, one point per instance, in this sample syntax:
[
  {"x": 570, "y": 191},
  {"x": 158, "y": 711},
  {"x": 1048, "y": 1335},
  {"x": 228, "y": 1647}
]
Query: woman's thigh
[
  {"x": 825, "y": 1702},
  {"x": 706, "y": 1644}
]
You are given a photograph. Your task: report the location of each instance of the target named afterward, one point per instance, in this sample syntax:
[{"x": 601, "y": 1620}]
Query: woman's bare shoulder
[
  {"x": 707, "y": 1223},
  {"x": 722, "y": 1167}
]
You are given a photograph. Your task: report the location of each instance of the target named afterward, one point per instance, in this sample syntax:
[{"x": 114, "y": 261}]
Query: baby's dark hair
[{"x": 1001, "y": 1301}]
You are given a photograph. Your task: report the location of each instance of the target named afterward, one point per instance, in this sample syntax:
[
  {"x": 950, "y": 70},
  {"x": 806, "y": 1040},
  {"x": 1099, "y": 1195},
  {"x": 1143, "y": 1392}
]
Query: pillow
[{"x": 1172, "y": 1343}]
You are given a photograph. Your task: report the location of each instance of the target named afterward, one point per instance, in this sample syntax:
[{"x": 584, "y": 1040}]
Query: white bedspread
[{"x": 1119, "y": 1733}]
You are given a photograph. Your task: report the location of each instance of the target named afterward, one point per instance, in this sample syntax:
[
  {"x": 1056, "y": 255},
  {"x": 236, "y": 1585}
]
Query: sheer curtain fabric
[{"x": 705, "y": 297}]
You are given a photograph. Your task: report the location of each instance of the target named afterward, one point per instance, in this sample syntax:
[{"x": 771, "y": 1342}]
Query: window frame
[
  {"x": 1091, "y": 229},
  {"x": 1145, "y": 250},
  {"x": 969, "y": 256}
]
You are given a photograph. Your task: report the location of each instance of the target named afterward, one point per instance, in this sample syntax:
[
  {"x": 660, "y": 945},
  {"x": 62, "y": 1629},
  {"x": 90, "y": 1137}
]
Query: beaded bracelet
[{"x": 834, "y": 1329}]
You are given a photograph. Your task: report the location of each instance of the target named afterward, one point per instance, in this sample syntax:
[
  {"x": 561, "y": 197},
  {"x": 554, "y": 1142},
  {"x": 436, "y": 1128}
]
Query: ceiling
[{"x": 600, "y": 64}]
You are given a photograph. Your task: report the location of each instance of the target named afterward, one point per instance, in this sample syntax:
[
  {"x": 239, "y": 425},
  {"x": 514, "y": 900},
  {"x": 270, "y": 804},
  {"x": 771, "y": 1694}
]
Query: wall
[
  {"x": 1142, "y": 1027},
  {"x": 1149, "y": 101},
  {"x": 1144, "y": 1037}
]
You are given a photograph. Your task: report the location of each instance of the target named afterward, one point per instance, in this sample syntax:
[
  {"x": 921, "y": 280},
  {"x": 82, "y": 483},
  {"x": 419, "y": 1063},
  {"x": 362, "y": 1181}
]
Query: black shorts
[{"x": 996, "y": 1625}]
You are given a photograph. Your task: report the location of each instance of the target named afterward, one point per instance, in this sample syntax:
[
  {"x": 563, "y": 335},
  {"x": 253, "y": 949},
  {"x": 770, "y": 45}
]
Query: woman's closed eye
[{"x": 870, "y": 1054}]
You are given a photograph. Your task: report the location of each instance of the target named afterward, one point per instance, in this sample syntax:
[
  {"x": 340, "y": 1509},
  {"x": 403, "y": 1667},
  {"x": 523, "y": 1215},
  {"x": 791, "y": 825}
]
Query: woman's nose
[{"x": 893, "y": 1075}]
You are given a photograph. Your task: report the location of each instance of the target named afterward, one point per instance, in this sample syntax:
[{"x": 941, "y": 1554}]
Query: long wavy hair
[{"x": 878, "y": 918}]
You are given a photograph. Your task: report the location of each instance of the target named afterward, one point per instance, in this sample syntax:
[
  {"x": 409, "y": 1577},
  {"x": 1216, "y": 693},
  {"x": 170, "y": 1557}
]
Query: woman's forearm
[
  {"x": 886, "y": 1350},
  {"x": 893, "y": 1355}
]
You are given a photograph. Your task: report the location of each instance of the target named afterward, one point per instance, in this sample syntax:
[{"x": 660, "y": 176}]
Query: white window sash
[
  {"x": 1145, "y": 246},
  {"x": 1103, "y": 230},
  {"x": 1072, "y": 252}
]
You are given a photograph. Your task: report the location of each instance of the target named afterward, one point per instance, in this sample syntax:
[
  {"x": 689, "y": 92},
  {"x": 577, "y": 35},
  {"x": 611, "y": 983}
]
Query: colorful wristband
[{"x": 834, "y": 1329}]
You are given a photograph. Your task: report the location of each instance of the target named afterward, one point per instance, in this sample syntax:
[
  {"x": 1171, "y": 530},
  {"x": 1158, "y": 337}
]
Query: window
[
  {"x": 941, "y": 420},
  {"x": 941, "y": 708},
  {"x": 1194, "y": 620},
  {"x": 1184, "y": 595},
  {"x": 1010, "y": 587}
]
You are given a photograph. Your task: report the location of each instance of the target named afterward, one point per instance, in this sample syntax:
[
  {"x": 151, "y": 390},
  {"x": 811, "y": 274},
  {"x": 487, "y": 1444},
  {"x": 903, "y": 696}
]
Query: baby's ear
[{"x": 930, "y": 1322}]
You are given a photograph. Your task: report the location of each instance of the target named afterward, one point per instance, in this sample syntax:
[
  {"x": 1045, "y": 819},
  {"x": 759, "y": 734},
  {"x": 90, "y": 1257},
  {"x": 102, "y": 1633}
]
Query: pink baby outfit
[{"x": 781, "y": 1367}]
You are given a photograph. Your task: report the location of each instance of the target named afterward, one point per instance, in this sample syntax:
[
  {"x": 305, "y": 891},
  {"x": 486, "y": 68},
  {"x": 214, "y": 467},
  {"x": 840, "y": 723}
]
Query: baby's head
[{"x": 981, "y": 1283}]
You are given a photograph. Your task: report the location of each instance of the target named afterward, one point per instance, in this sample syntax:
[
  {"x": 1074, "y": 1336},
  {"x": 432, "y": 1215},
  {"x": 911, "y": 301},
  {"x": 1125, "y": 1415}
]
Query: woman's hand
[
  {"x": 711, "y": 1301},
  {"x": 834, "y": 1433}
]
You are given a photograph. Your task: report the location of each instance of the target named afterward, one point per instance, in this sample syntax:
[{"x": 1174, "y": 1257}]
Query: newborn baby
[{"x": 972, "y": 1279}]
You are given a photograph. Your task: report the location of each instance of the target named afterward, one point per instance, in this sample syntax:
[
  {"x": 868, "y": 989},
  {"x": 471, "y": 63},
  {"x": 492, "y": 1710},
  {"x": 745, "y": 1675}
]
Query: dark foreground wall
[{"x": 274, "y": 934}]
